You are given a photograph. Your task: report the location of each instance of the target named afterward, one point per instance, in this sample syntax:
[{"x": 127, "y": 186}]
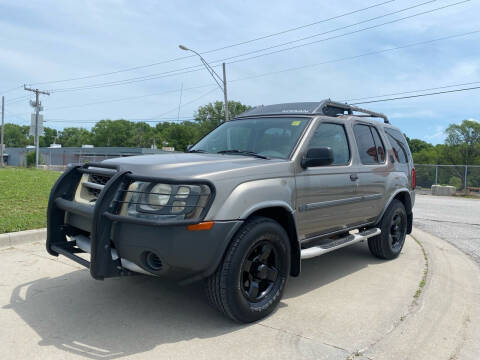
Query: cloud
[
  {"x": 438, "y": 133},
  {"x": 413, "y": 114},
  {"x": 51, "y": 40}
]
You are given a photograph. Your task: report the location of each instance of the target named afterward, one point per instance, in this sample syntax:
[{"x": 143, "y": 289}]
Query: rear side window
[
  {"x": 378, "y": 144},
  {"x": 332, "y": 136},
  {"x": 399, "y": 145},
  {"x": 370, "y": 146}
]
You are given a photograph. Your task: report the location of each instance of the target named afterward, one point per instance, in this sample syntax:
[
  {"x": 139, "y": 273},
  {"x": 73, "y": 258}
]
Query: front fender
[{"x": 251, "y": 196}]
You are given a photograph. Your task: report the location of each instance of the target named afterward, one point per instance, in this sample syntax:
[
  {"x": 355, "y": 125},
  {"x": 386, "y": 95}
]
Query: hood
[{"x": 201, "y": 166}]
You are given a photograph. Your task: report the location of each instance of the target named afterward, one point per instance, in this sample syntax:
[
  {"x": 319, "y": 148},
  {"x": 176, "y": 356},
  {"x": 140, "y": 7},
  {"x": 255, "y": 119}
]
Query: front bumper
[{"x": 185, "y": 255}]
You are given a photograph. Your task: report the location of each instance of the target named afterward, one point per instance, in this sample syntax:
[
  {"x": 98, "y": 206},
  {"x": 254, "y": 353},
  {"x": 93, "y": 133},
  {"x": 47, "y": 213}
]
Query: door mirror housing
[
  {"x": 317, "y": 157},
  {"x": 189, "y": 146}
]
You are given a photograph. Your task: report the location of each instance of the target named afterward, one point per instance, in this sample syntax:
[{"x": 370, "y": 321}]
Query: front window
[{"x": 269, "y": 137}]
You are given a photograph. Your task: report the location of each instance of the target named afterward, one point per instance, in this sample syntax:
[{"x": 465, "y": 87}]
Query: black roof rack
[{"x": 325, "y": 107}]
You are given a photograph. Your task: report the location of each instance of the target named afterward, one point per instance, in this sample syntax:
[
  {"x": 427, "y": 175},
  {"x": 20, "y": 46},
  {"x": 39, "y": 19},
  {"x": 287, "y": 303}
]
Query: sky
[{"x": 50, "y": 44}]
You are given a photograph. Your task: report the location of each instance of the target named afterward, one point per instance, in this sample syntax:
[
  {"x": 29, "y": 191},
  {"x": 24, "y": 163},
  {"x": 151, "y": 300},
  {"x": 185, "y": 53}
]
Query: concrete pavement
[
  {"x": 454, "y": 219},
  {"x": 345, "y": 304}
]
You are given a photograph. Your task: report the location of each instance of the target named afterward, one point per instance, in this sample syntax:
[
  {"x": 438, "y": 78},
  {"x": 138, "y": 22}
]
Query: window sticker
[{"x": 295, "y": 123}]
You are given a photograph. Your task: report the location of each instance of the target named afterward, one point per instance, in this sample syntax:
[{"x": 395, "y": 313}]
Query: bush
[
  {"x": 456, "y": 181},
  {"x": 30, "y": 157}
]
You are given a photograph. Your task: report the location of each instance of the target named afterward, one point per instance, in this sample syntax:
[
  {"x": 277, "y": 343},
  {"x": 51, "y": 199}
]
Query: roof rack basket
[{"x": 333, "y": 108}]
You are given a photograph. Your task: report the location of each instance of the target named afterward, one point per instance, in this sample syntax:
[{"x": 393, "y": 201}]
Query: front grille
[
  {"x": 92, "y": 184},
  {"x": 99, "y": 180}
]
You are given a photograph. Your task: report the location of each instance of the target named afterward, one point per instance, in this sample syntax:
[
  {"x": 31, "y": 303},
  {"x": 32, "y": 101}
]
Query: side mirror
[
  {"x": 317, "y": 157},
  {"x": 189, "y": 146}
]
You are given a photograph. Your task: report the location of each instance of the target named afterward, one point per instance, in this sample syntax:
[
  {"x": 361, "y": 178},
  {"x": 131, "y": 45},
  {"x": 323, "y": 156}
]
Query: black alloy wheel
[
  {"x": 398, "y": 230},
  {"x": 249, "y": 283},
  {"x": 259, "y": 271},
  {"x": 393, "y": 225}
]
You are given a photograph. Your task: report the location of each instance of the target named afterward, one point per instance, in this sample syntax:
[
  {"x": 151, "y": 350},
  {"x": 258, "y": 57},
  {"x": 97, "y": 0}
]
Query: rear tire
[
  {"x": 249, "y": 283},
  {"x": 389, "y": 243}
]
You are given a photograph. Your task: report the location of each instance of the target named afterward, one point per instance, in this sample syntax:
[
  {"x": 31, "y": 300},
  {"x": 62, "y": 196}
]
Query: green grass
[{"x": 24, "y": 197}]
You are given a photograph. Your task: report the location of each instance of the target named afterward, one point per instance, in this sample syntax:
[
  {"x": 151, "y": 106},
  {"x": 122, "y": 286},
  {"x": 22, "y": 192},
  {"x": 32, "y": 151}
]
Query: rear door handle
[{"x": 354, "y": 177}]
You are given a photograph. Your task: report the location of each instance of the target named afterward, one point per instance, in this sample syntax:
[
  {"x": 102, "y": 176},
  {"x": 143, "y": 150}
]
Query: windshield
[{"x": 270, "y": 137}]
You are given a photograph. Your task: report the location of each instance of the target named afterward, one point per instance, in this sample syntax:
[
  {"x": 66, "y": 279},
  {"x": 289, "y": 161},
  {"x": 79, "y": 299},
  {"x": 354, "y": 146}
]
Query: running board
[{"x": 338, "y": 243}]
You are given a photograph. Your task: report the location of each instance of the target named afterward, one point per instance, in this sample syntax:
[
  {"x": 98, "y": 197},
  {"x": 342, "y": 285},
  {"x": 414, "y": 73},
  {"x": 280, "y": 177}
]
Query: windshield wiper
[
  {"x": 196, "y": 151},
  {"x": 243, "y": 152}
]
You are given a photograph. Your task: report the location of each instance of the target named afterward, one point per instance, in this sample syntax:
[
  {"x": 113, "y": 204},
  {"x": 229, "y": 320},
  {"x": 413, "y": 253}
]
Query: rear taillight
[{"x": 414, "y": 179}]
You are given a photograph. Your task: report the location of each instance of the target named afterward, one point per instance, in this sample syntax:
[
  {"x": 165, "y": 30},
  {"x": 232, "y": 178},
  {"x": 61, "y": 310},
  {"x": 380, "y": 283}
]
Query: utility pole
[
  {"x": 2, "y": 132},
  {"x": 37, "y": 127},
  {"x": 227, "y": 115}
]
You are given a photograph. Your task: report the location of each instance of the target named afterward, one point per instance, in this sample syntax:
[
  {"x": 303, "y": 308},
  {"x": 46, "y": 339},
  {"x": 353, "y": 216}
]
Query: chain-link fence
[{"x": 463, "y": 177}]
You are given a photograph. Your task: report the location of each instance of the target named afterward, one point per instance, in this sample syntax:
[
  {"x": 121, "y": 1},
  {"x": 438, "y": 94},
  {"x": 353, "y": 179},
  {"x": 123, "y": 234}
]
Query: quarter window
[
  {"x": 332, "y": 136},
  {"x": 378, "y": 145},
  {"x": 399, "y": 145},
  {"x": 370, "y": 146}
]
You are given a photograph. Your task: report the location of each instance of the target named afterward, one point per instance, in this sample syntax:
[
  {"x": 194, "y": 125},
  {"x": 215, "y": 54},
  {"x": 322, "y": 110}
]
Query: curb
[{"x": 22, "y": 237}]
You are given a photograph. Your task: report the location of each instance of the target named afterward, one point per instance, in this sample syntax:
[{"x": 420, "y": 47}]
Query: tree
[
  {"x": 212, "y": 114},
  {"x": 49, "y": 138},
  {"x": 74, "y": 137},
  {"x": 463, "y": 142},
  {"x": 119, "y": 133},
  {"x": 179, "y": 135},
  {"x": 462, "y": 147},
  {"x": 144, "y": 135},
  {"x": 16, "y": 135},
  {"x": 417, "y": 145}
]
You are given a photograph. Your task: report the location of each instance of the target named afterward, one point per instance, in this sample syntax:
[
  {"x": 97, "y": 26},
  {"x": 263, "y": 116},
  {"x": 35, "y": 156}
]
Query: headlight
[
  {"x": 167, "y": 202},
  {"x": 159, "y": 195}
]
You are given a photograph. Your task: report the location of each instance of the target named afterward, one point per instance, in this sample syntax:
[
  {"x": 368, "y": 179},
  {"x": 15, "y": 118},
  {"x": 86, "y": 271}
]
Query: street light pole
[{"x": 221, "y": 82}]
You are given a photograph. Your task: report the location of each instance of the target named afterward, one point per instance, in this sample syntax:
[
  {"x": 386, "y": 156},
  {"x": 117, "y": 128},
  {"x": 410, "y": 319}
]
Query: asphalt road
[{"x": 454, "y": 219}]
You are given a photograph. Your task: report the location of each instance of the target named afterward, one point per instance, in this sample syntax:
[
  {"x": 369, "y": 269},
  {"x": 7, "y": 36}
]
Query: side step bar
[{"x": 338, "y": 243}]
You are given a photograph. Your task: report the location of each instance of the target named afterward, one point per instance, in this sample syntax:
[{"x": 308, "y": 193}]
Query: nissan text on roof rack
[{"x": 243, "y": 206}]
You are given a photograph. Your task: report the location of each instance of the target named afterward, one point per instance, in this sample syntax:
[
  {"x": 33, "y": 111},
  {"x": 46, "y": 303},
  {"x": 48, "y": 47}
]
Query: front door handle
[{"x": 354, "y": 177}]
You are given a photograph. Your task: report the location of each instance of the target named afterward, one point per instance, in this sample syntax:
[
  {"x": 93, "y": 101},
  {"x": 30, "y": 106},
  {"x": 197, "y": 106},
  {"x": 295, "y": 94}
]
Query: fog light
[{"x": 152, "y": 261}]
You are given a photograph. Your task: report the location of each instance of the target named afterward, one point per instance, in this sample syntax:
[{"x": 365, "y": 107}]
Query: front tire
[
  {"x": 389, "y": 243},
  {"x": 249, "y": 283}
]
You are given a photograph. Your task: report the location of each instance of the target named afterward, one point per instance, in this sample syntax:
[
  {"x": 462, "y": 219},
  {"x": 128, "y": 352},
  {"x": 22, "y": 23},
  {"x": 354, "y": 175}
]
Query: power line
[
  {"x": 198, "y": 68},
  {"x": 217, "y": 49},
  {"x": 10, "y": 90},
  {"x": 413, "y": 91},
  {"x": 187, "y": 103},
  {"x": 420, "y": 95},
  {"x": 299, "y": 68},
  {"x": 132, "y": 120},
  {"x": 345, "y": 34},
  {"x": 348, "y": 26},
  {"x": 11, "y": 102},
  {"x": 129, "y": 98},
  {"x": 358, "y": 56},
  {"x": 156, "y": 118},
  {"x": 357, "y": 103},
  {"x": 284, "y": 70}
]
